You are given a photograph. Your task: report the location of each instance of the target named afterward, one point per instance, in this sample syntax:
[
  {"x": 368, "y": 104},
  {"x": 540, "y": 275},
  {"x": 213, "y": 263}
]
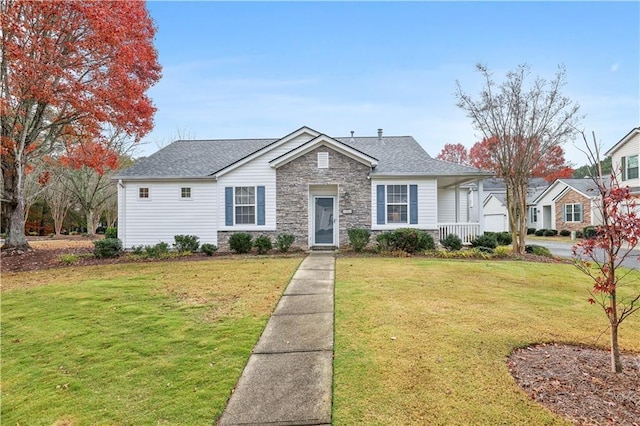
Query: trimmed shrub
[
  {"x": 565, "y": 233},
  {"x": 486, "y": 240},
  {"x": 483, "y": 249},
  {"x": 578, "y": 234},
  {"x": 408, "y": 240},
  {"x": 263, "y": 244},
  {"x": 208, "y": 249},
  {"x": 451, "y": 242},
  {"x": 531, "y": 231},
  {"x": 159, "y": 250},
  {"x": 502, "y": 251},
  {"x": 186, "y": 243},
  {"x": 137, "y": 249},
  {"x": 108, "y": 247},
  {"x": 383, "y": 241},
  {"x": 504, "y": 238},
  {"x": 284, "y": 241},
  {"x": 537, "y": 250},
  {"x": 111, "y": 232},
  {"x": 359, "y": 238},
  {"x": 589, "y": 231},
  {"x": 540, "y": 232},
  {"x": 549, "y": 233},
  {"x": 240, "y": 242}
]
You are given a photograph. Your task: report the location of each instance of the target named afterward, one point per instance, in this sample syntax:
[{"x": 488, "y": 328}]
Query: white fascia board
[
  {"x": 323, "y": 140},
  {"x": 622, "y": 141},
  {"x": 268, "y": 148},
  {"x": 161, "y": 178}
]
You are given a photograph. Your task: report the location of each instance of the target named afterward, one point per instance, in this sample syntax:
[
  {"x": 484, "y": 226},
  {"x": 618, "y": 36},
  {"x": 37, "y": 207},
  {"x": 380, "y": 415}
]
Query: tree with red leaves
[
  {"x": 68, "y": 69},
  {"x": 454, "y": 153},
  {"x": 551, "y": 166},
  {"x": 520, "y": 126},
  {"x": 601, "y": 256}
]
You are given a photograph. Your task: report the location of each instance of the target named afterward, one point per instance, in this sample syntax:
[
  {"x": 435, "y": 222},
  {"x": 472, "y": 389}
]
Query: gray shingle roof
[
  {"x": 586, "y": 185},
  {"x": 397, "y": 155}
]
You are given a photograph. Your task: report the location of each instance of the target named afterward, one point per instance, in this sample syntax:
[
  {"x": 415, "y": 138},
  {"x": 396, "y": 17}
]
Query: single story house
[
  {"x": 569, "y": 204},
  {"x": 306, "y": 183},
  {"x": 496, "y": 214}
]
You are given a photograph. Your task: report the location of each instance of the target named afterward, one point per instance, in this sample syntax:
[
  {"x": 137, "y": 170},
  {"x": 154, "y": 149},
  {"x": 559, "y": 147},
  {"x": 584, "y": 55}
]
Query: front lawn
[
  {"x": 425, "y": 341},
  {"x": 152, "y": 343}
]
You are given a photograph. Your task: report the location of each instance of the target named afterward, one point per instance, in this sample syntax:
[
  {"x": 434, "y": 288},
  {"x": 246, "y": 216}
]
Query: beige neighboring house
[
  {"x": 569, "y": 204},
  {"x": 624, "y": 159}
]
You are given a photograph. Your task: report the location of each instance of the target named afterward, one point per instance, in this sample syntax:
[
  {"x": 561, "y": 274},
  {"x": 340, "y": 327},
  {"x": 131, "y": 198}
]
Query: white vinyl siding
[
  {"x": 253, "y": 173},
  {"x": 161, "y": 217},
  {"x": 630, "y": 149},
  {"x": 446, "y": 205},
  {"x": 427, "y": 203}
]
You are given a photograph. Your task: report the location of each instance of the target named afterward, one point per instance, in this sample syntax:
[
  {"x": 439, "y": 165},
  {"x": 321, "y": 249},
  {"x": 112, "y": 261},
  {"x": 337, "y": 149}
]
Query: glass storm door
[{"x": 323, "y": 223}]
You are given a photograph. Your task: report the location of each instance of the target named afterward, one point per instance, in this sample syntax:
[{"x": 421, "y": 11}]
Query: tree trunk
[
  {"x": 93, "y": 218},
  {"x": 517, "y": 207},
  {"x": 16, "y": 240},
  {"x": 616, "y": 364}
]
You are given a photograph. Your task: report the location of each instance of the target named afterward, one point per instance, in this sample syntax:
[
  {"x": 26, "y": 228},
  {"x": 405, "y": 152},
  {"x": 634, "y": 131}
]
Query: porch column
[{"x": 481, "y": 205}]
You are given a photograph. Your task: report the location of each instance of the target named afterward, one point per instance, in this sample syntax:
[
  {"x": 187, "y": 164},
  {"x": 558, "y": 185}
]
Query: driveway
[{"x": 564, "y": 249}]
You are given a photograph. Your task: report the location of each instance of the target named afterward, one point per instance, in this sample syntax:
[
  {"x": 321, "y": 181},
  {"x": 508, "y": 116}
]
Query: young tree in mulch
[{"x": 600, "y": 256}]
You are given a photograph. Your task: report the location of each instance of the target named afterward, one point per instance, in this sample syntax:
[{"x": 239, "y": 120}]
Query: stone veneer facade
[
  {"x": 293, "y": 182},
  {"x": 573, "y": 197}
]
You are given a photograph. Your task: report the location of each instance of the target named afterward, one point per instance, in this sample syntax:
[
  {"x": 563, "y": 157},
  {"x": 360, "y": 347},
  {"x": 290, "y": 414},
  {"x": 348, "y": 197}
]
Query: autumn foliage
[
  {"x": 454, "y": 153},
  {"x": 551, "y": 165},
  {"x": 68, "y": 70}
]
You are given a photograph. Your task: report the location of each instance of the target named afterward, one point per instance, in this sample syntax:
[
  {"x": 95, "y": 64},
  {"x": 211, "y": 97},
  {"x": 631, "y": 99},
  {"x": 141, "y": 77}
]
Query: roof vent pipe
[
  {"x": 379, "y": 135},
  {"x": 352, "y": 138}
]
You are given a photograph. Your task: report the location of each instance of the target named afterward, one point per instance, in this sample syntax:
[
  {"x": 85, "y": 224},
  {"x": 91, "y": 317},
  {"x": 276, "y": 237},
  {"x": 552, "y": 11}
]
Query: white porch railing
[{"x": 466, "y": 231}]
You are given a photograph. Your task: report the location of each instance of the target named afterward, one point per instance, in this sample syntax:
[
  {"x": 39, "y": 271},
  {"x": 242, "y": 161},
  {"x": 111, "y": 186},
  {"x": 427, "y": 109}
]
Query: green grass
[
  {"x": 153, "y": 343},
  {"x": 425, "y": 341}
]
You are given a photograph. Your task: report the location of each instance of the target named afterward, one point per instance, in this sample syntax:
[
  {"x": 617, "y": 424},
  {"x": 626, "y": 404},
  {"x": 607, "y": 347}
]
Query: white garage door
[{"x": 495, "y": 223}]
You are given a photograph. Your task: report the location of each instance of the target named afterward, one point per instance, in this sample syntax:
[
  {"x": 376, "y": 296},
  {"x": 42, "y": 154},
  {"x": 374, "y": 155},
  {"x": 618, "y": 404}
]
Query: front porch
[
  {"x": 460, "y": 207},
  {"x": 467, "y": 232}
]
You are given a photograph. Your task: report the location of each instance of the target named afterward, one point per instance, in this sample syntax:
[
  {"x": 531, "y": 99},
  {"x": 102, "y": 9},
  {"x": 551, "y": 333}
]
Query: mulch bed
[{"x": 576, "y": 383}]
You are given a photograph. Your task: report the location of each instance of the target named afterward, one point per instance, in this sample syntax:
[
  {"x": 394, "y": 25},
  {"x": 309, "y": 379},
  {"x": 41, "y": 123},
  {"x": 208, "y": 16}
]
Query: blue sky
[{"x": 264, "y": 69}]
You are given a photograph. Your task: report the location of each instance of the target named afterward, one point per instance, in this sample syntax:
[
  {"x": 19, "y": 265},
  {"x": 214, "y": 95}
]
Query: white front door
[{"x": 324, "y": 219}]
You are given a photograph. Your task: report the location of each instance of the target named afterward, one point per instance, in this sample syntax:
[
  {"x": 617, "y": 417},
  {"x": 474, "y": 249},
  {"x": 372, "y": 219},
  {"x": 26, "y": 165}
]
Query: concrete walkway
[{"x": 288, "y": 378}]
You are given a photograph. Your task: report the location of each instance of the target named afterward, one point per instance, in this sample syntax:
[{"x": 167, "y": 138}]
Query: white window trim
[
  {"x": 573, "y": 213},
  {"x": 254, "y": 205},
  {"x": 533, "y": 214},
  {"x": 627, "y": 167},
  {"x": 387, "y": 204}
]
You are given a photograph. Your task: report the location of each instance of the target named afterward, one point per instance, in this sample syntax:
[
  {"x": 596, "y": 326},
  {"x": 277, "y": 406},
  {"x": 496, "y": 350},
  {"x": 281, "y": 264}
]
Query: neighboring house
[
  {"x": 496, "y": 214},
  {"x": 306, "y": 183},
  {"x": 569, "y": 204},
  {"x": 624, "y": 160}
]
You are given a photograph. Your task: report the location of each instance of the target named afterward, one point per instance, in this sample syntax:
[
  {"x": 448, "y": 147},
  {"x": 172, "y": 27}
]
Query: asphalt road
[{"x": 564, "y": 249}]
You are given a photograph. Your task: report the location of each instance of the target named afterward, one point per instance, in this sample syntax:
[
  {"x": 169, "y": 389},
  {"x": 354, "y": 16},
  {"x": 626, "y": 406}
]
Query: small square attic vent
[{"x": 323, "y": 160}]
